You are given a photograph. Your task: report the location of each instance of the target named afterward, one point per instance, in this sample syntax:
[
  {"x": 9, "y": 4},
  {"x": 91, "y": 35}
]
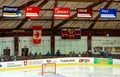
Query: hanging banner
[
  {"x": 32, "y": 12},
  {"x": 61, "y": 12},
  {"x": 37, "y": 30},
  {"x": 10, "y": 11},
  {"x": 108, "y": 13},
  {"x": 84, "y": 12}
]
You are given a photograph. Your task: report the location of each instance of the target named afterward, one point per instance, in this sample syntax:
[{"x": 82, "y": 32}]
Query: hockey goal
[{"x": 48, "y": 68}]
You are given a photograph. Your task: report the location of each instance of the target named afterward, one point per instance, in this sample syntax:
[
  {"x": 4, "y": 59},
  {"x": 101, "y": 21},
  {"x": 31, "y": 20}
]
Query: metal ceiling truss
[
  {"x": 55, "y": 28},
  {"x": 97, "y": 17},
  {"x": 87, "y": 0},
  {"x": 26, "y": 19},
  {"x": 73, "y": 16}
]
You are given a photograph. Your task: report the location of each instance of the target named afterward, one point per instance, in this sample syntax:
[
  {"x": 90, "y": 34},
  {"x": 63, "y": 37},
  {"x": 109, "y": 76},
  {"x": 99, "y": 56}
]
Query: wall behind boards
[
  {"x": 7, "y": 42},
  {"x": 68, "y": 45},
  {"x": 111, "y": 44},
  {"x": 44, "y": 47}
]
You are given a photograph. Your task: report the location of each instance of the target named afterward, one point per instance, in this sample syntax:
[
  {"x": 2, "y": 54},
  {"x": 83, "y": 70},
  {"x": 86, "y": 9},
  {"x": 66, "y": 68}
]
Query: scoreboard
[{"x": 71, "y": 33}]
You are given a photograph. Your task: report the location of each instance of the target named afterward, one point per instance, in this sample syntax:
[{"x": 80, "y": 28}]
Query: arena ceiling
[{"x": 49, "y": 23}]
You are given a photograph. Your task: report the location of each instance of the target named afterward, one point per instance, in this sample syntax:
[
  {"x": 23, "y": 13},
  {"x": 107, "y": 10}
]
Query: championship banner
[
  {"x": 61, "y": 12},
  {"x": 108, "y": 13},
  {"x": 32, "y": 12},
  {"x": 10, "y": 11},
  {"x": 37, "y": 34},
  {"x": 84, "y": 12}
]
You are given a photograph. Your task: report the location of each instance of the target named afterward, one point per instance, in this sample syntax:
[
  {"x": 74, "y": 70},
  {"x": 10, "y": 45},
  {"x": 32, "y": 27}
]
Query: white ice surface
[{"x": 67, "y": 71}]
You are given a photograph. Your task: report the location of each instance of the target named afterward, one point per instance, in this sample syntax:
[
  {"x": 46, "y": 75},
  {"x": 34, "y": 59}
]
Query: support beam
[
  {"x": 64, "y": 22},
  {"x": 47, "y": 32},
  {"x": 21, "y": 24},
  {"x": 95, "y": 4},
  {"x": 25, "y": 20},
  {"x": 52, "y": 31},
  {"x": 73, "y": 16},
  {"x": 51, "y": 19},
  {"x": 96, "y": 1},
  {"x": 100, "y": 32},
  {"x": 28, "y": 4},
  {"x": 81, "y": 0},
  {"x": 74, "y": 10},
  {"x": 23, "y": 6},
  {"x": 89, "y": 41},
  {"x": 97, "y": 17},
  {"x": 16, "y": 45}
]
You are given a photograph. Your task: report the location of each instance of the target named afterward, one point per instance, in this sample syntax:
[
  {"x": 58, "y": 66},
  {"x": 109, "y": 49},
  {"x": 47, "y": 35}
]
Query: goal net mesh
[{"x": 49, "y": 68}]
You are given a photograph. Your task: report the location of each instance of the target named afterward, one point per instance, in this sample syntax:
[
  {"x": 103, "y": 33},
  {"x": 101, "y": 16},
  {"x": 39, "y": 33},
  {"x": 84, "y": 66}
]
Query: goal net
[{"x": 49, "y": 68}]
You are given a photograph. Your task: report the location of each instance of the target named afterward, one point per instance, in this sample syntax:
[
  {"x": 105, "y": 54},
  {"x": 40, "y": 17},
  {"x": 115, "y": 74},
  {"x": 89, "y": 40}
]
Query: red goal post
[{"x": 48, "y": 68}]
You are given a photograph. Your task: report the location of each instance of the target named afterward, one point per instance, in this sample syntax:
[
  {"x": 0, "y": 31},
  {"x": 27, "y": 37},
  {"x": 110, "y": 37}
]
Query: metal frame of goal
[{"x": 48, "y": 68}]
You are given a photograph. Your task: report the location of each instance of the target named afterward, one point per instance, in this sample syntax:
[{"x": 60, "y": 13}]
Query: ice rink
[{"x": 67, "y": 71}]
